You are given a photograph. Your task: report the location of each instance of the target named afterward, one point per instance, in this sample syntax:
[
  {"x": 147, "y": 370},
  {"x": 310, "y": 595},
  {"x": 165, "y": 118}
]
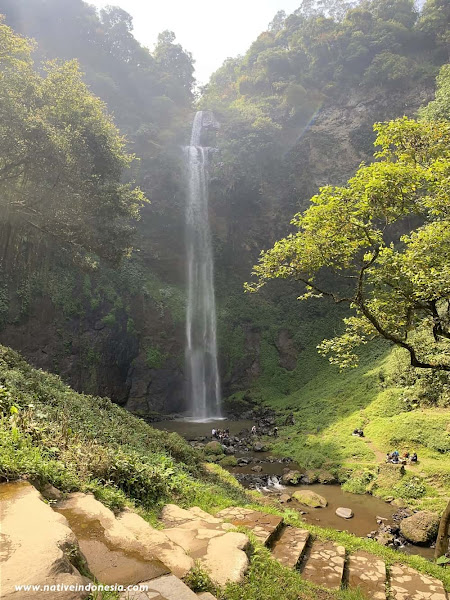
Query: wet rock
[
  {"x": 310, "y": 498},
  {"x": 48, "y": 491},
  {"x": 36, "y": 543},
  {"x": 421, "y": 527},
  {"x": 257, "y": 469},
  {"x": 244, "y": 461},
  {"x": 259, "y": 447},
  {"x": 326, "y": 477},
  {"x": 345, "y": 513},
  {"x": 385, "y": 538},
  {"x": 291, "y": 477},
  {"x": 285, "y": 498}
]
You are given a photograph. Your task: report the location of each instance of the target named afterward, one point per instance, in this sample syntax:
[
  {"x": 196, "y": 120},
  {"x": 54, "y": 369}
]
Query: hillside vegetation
[{"x": 51, "y": 434}]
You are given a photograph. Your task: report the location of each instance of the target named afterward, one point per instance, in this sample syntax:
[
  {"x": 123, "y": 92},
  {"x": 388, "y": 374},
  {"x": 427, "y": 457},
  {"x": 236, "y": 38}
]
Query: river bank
[{"x": 257, "y": 468}]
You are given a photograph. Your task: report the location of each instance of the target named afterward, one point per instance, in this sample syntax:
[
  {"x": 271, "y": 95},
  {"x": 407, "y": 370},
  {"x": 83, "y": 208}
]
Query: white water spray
[{"x": 201, "y": 342}]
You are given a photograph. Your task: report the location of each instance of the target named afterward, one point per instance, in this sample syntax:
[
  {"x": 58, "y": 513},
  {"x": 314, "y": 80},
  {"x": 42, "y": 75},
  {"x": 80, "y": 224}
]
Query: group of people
[
  {"x": 395, "y": 458},
  {"x": 220, "y": 434},
  {"x": 358, "y": 432}
]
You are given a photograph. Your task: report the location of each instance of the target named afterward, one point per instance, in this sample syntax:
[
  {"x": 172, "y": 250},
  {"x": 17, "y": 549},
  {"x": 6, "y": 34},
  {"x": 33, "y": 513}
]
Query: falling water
[{"x": 201, "y": 343}]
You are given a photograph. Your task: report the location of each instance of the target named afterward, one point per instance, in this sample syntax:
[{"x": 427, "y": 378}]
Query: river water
[{"x": 366, "y": 508}]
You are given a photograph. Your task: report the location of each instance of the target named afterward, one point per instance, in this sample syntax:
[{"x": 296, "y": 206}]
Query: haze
[{"x": 211, "y": 31}]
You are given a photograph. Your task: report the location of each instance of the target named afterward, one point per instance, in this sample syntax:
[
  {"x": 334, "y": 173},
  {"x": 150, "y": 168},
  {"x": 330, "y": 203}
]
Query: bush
[{"x": 359, "y": 481}]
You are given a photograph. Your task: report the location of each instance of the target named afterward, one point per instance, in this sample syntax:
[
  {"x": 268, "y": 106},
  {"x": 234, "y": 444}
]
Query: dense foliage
[
  {"x": 268, "y": 97},
  {"x": 51, "y": 434},
  {"x": 61, "y": 157},
  {"x": 398, "y": 284}
]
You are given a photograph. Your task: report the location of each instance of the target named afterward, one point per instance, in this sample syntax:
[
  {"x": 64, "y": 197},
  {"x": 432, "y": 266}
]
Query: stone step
[
  {"x": 206, "y": 596},
  {"x": 113, "y": 553},
  {"x": 220, "y": 550},
  {"x": 409, "y": 584},
  {"x": 265, "y": 527},
  {"x": 35, "y": 545},
  {"x": 324, "y": 564},
  {"x": 367, "y": 572},
  {"x": 291, "y": 545},
  {"x": 167, "y": 587}
]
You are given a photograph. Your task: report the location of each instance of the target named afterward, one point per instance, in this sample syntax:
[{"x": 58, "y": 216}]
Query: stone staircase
[
  {"x": 125, "y": 549},
  {"x": 327, "y": 564}
]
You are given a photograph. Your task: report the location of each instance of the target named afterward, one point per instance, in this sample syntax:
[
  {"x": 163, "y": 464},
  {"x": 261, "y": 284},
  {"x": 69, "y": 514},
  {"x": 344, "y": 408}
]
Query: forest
[{"x": 225, "y": 308}]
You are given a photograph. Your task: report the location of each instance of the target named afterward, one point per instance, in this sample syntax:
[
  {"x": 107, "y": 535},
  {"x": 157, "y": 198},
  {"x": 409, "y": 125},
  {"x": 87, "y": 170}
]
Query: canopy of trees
[
  {"x": 349, "y": 245},
  {"x": 322, "y": 51},
  {"x": 61, "y": 158}
]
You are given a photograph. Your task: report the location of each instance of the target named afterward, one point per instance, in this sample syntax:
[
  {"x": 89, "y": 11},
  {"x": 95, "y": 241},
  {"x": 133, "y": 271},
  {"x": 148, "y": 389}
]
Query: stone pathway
[
  {"x": 367, "y": 572},
  {"x": 408, "y": 584},
  {"x": 289, "y": 549},
  {"x": 211, "y": 541},
  {"x": 264, "y": 526},
  {"x": 325, "y": 564},
  {"x": 125, "y": 549},
  {"x": 167, "y": 587},
  {"x": 36, "y": 543}
]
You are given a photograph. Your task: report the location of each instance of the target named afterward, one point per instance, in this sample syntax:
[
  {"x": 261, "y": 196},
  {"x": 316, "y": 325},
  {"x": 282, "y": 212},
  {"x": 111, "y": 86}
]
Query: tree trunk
[{"x": 443, "y": 533}]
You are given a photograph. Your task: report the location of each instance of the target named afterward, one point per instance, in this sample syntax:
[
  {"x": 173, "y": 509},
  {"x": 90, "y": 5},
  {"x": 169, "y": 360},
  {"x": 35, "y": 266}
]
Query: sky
[{"x": 212, "y": 31}]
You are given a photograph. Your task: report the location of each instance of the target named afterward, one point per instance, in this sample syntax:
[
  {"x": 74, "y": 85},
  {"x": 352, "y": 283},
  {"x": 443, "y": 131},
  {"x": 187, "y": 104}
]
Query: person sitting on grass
[{"x": 414, "y": 457}]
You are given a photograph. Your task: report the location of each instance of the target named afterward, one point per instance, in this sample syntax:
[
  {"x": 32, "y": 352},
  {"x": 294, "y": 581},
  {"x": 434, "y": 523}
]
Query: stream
[{"x": 366, "y": 508}]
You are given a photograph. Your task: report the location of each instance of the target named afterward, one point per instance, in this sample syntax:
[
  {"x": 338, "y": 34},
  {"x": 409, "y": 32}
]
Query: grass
[
  {"x": 52, "y": 434},
  {"x": 329, "y": 406}
]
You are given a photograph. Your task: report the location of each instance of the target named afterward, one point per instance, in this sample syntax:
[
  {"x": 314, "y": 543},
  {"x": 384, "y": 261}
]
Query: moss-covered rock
[
  {"x": 213, "y": 448},
  {"x": 310, "y": 499},
  {"x": 421, "y": 527},
  {"x": 228, "y": 461},
  {"x": 291, "y": 477}
]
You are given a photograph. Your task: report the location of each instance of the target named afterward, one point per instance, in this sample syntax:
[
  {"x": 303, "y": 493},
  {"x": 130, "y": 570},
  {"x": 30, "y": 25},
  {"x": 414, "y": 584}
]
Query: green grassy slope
[
  {"x": 52, "y": 434},
  {"x": 332, "y": 404},
  {"x": 77, "y": 442}
]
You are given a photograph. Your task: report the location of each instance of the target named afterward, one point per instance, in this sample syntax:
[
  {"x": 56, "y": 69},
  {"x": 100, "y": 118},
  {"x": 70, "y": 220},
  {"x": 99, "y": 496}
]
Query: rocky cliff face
[{"x": 123, "y": 335}]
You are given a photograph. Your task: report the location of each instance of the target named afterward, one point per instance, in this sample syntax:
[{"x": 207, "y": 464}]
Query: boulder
[
  {"x": 291, "y": 477},
  {"x": 421, "y": 527},
  {"x": 214, "y": 447},
  {"x": 257, "y": 469},
  {"x": 310, "y": 498},
  {"x": 37, "y": 546},
  {"x": 259, "y": 447},
  {"x": 345, "y": 513},
  {"x": 285, "y": 498},
  {"x": 385, "y": 538},
  {"x": 326, "y": 477}
]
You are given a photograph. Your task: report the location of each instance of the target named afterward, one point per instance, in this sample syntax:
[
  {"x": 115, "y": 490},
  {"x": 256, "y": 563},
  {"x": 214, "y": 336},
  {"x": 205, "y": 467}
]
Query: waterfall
[{"x": 201, "y": 342}]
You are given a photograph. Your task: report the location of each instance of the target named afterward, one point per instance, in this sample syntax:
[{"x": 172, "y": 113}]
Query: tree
[
  {"x": 174, "y": 60},
  {"x": 351, "y": 246},
  {"x": 61, "y": 158},
  {"x": 439, "y": 108}
]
